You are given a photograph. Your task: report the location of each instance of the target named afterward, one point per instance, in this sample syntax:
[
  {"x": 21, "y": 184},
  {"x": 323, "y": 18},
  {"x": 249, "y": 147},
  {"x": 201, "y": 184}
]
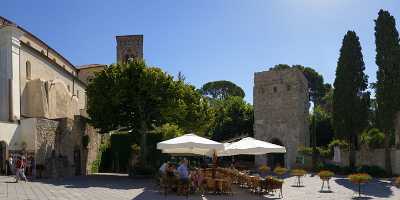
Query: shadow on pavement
[{"x": 375, "y": 188}]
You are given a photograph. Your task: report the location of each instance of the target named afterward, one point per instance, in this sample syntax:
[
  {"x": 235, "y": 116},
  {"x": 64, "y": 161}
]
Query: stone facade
[
  {"x": 129, "y": 46},
  {"x": 59, "y": 146},
  {"x": 281, "y": 106}
]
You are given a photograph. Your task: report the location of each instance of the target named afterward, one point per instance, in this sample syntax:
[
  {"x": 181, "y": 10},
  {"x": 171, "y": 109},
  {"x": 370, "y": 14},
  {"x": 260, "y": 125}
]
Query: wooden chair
[
  {"x": 210, "y": 185},
  {"x": 227, "y": 186},
  {"x": 272, "y": 185},
  {"x": 184, "y": 187}
]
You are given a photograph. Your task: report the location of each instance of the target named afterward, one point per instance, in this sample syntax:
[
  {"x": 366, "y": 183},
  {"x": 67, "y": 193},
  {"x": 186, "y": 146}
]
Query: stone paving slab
[{"x": 117, "y": 187}]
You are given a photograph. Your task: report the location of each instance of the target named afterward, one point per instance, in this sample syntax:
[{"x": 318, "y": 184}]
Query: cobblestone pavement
[{"x": 121, "y": 187}]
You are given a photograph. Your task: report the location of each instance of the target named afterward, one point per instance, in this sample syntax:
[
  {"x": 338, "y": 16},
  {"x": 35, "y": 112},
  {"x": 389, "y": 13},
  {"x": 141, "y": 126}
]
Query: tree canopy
[
  {"x": 387, "y": 87},
  {"x": 233, "y": 117},
  {"x": 221, "y": 90},
  {"x": 350, "y": 99},
  {"x": 141, "y": 98}
]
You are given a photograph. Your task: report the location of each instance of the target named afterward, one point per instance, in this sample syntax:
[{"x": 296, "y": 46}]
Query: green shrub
[
  {"x": 374, "y": 171},
  {"x": 305, "y": 151},
  {"x": 143, "y": 170},
  {"x": 335, "y": 168},
  {"x": 373, "y": 138}
]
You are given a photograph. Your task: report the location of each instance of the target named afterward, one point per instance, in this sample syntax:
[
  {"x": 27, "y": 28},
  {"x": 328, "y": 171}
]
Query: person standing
[{"x": 20, "y": 165}]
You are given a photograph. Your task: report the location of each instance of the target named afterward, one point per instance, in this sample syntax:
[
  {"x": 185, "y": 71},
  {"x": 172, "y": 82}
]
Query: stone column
[{"x": 9, "y": 68}]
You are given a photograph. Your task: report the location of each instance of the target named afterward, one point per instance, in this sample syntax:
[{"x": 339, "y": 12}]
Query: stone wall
[
  {"x": 281, "y": 106},
  {"x": 60, "y": 149},
  {"x": 373, "y": 157}
]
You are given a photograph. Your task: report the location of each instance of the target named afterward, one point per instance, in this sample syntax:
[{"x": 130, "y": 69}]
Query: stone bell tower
[
  {"x": 281, "y": 106},
  {"x": 129, "y": 47}
]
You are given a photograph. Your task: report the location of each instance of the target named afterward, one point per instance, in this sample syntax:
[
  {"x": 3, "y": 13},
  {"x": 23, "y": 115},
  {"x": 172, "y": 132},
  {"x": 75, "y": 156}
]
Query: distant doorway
[
  {"x": 77, "y": 162},
  {"x": 276, "y": 159},
  {"x": 3, "y": 157}
]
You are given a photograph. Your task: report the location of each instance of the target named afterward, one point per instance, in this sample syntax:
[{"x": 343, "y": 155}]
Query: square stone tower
[
  {"x": 129, "y": 47},
  {"x": 281, "y": 106}
]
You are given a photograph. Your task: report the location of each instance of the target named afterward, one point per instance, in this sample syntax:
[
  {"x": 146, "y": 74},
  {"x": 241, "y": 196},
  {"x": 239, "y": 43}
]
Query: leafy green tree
[
  {"x": 350, "y": 99},
  {"x": 137, "y": 97},
  {"x": 221, "y": 89},
  {"x": 168, "y": 131},
  {"x": 388, "y": 77},
  {"x": 373, "y": 138},
  {"x": 233, "y": 117},
  {"x": 324, "y": 130}
]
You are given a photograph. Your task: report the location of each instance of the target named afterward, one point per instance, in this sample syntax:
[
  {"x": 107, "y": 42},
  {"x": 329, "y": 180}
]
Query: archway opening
[
  {"x": 3, "y": 157},
  {"x": 276, "y": 159}
]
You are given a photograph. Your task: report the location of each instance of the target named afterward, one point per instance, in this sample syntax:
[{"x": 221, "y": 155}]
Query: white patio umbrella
[
  {"x": 190, "y": 144},
  {"x": 251, "y": 146}
]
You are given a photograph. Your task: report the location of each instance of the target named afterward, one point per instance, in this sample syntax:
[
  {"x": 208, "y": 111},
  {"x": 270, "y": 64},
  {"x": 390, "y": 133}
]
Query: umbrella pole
[{"x": 215, "y": 163}]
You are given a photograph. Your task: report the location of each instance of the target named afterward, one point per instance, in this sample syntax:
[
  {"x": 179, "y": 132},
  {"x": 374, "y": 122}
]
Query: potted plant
[
  {"x": 359, "y": 178},
  {"x": 280, "y": 171},
  {"x": 298, "y": 173},
  {"x": 325, "y": 176},
  {"x": 263, "y": 170}
]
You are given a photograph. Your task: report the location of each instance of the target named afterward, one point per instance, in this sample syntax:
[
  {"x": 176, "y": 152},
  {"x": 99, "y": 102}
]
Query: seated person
[
  {"x": 183, "y": 172},
  {"x": 170, "y": 171},
  {"x": 163, "y": 168},
  {"x": 197, "y": 179}
]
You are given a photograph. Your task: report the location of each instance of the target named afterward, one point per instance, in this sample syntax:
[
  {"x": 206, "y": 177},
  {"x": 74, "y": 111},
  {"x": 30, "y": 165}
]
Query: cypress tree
[
  {"x": 388, "y": 77},
  {"x": 350, "y": 99}
]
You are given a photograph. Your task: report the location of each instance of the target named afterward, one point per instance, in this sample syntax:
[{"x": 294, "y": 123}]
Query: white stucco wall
[
  {"x": 7, "y": 131},
  {"x": 24, "y": 135},
  {"x": 9, "y": 70}
]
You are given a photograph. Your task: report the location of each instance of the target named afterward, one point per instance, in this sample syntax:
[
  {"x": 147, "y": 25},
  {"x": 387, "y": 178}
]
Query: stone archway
[{"x": 276, "y": 159}]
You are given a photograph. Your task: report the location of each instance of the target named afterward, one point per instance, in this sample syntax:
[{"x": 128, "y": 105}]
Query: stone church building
[
  {"x": 43, "y": 102},
  {"x": 281, "y": 106}
]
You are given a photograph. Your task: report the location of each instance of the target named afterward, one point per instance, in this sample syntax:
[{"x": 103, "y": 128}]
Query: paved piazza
[{"x": 121, "y": 187}]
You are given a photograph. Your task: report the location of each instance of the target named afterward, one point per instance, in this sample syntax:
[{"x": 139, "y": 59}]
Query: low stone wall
[{"x": 373, "y": 157}]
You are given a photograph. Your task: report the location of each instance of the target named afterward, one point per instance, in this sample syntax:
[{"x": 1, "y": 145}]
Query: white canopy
[
  {"x": 190, "y": 144},
  {"x": 251, "y": 146}
]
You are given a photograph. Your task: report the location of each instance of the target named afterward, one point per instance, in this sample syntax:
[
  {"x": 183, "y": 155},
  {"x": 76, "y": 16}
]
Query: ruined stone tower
[
  {"x": 129, "y": 46},
  {"x": 281, "y": 107}
]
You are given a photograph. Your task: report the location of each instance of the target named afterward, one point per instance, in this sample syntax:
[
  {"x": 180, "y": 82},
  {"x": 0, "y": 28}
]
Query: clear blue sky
[{"x": 207, "y": 40}]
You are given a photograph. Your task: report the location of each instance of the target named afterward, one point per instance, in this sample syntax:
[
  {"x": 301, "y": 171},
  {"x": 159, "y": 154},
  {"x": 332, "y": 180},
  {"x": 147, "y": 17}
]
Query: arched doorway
[
  {"x": 276, "y": 159},
  {"x": 3, "y": 157}
]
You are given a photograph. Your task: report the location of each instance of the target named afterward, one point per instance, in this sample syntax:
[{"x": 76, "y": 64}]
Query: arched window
[
  {"x": 275, "y": 89},
  {"x": 28, "y": 70}
]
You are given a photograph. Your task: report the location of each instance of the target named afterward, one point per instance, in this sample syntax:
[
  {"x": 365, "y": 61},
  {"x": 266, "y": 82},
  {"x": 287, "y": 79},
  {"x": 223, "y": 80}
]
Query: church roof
[{"x": 91, "y": 66}]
